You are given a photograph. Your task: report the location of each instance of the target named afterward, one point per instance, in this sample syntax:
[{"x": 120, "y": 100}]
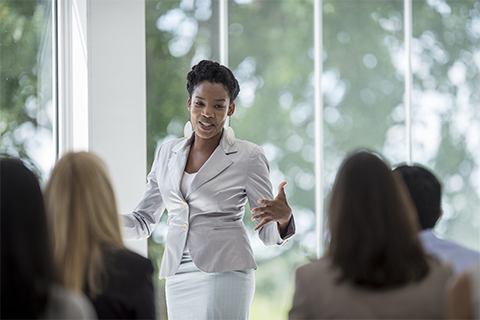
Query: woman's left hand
[{"x": 274, "y": 210}]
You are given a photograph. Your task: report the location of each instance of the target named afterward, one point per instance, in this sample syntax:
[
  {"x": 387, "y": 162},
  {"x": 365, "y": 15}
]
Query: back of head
[
  {"x": 213, "y": 72},
  {"x": 83, "y": 214},
  {"x": 373, "y": 225},
  {"x": 426, "y": 193},
  {"x": 26, "y": 261}
]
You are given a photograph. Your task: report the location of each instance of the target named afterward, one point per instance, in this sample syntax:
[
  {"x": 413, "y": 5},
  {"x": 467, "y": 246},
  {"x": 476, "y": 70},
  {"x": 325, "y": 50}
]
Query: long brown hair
[
  {"x": 373, "y": 225},
  {"x": 84, "y": 219}
]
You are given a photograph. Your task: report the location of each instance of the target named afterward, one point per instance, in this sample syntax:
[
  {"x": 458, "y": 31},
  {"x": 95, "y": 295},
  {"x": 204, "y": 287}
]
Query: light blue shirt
[{"x": 460, "y": 257}]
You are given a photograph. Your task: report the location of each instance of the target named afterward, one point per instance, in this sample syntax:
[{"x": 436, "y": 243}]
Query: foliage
[
  {"x": 271, "y": 53},
  {"x": 24, "y": 26}
]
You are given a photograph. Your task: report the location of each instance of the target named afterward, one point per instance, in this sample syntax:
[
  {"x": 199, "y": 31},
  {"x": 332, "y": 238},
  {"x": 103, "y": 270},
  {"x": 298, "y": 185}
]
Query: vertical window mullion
[
  {"x": 318, "y": 61},
  {"x": 64, "y": 76},
  {"x": 223, "y": 29},
  {"x": 408, "y": 78},
  {"x": 55, "y": 104}
]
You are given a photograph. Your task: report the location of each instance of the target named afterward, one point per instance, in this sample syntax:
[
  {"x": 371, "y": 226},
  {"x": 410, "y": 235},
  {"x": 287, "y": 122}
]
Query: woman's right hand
[{"x": 274, "y": 210}]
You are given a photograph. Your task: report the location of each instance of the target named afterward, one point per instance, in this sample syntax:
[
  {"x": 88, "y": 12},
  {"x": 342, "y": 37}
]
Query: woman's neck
[
  {"x": 200, "y": 151},
  {"x": 206, "y": 145}
]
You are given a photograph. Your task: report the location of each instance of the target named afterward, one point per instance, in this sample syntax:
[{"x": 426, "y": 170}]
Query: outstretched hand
[{"x": 274, "y": 210}]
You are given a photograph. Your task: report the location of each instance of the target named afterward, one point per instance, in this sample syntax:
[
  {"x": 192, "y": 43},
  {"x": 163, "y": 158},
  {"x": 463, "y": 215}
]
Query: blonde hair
[{"x": 83, "y": 217}]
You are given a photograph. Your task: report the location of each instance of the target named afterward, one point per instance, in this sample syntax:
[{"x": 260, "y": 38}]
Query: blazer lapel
[
  {"x": 177, "y": 162},
  {"x": 216, "y": 164}
]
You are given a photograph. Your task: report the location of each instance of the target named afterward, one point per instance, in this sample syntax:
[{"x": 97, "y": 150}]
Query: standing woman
[
  {"x": 88, "y": 247},
  {"x": 204, "y": 181}
]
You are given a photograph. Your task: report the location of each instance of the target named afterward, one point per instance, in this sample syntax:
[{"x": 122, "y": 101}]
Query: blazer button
[
  {"x": 185, "y": 205},
  {"x": 185, "y": 227}
]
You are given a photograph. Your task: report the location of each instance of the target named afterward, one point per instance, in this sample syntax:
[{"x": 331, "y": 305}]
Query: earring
[
  {"x": 229, "y": 134},
  {"x": 188, "y": 130}
]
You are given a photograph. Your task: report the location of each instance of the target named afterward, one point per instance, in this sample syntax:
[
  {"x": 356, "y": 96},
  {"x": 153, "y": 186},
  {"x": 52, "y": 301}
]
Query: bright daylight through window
[
  {"x": 271, "y": 51},
  {"x": 26, "y": 88}
]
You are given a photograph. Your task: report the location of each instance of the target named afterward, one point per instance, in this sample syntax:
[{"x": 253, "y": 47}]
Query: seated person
[
  {"x": 29, "y": 286},
  {"x": 374, "y": 267},
  {"x": 426, "y": 193},
  {"x": 464, "y": 296},
  {"x": 88, "y": 246}
]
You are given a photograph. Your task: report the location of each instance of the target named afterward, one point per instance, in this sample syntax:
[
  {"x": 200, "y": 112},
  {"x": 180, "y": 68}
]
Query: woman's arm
[
  {"x": 140, "y": 223},
  {"x": 275, "y": 221},
  {"x": 274, "y": 210}
]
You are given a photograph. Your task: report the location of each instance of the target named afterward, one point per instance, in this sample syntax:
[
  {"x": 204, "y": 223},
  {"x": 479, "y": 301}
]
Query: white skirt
[{"x": 194, "y": 294}]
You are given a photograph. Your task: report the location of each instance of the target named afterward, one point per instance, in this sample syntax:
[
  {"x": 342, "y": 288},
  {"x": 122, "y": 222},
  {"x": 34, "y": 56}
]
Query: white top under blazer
[{"x": 212, "y": 211}]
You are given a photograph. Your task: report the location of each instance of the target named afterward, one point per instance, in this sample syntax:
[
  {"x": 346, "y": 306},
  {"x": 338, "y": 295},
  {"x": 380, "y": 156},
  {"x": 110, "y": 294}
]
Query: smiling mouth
[{"x": 206, "y": 125}]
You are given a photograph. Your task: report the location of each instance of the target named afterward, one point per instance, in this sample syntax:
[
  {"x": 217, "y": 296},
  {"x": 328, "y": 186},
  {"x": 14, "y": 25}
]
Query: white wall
[{"x": 103, "y": 90}]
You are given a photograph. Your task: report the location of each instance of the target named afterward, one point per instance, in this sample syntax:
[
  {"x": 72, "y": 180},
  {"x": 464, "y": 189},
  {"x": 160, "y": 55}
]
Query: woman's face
[{"x": 209, "y": 107}]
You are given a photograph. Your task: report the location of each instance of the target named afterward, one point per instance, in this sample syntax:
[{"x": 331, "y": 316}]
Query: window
[
  {"x": 271, "y": 51},
  {"x": 27, "y": 111},
  {"x": 446, "y": 113}
]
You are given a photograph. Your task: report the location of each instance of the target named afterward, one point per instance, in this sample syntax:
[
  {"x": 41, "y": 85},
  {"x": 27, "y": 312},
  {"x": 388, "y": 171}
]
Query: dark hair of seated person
[
  {"x": 426, "y": 193},
  {"x": 26, "y": 260},
  {"x": 373, "y": 225}
]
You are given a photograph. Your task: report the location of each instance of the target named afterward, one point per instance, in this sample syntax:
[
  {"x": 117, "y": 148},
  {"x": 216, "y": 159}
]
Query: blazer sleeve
[
  {"x": 258, "y": 187},
  {"x": 141, "y": 222}
]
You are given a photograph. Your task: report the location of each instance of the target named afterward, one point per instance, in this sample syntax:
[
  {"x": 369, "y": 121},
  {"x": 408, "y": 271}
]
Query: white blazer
[{"x": 209, "y": 218}]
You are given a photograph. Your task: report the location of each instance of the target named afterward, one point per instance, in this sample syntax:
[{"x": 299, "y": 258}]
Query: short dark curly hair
[
  {"x": 207, "y": 70},
  {"x": 426, "y": 192}
]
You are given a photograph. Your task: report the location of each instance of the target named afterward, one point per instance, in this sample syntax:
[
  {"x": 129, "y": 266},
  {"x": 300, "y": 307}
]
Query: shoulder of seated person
[
  {"x": 440, "y": 266},
  {"x": 66, "y": 303},
  {"x": 125, "y": 255},
  {"x": 316, "y": 265}
]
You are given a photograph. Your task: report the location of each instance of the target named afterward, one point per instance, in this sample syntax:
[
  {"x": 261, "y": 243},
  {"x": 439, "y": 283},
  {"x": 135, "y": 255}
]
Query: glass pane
[
  {"x": 26, "y": 110},
  {"x": 363, "y": 80},
  {"x": 446, "y": 113},
  {"x": 271, "y": 54},
  {"x": 178, "y": 35}
]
